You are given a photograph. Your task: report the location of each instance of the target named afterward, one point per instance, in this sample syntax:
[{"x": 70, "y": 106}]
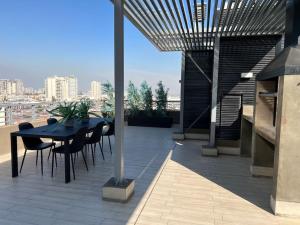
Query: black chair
[
  {"x": 94, "y": 139},
  {"x": 109, "y": 132},
  {"x": 76, "y": 146},
  {"x": 51, "y": 121},
  {"x": 34, "y": 144}
]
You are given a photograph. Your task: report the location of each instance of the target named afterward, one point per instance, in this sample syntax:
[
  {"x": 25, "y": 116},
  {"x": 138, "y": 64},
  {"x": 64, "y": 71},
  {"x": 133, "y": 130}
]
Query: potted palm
[
  {"x": 67, "y": 111},
  {"x": 83, "y": 110},
  {"x": 108, "y": 108}
]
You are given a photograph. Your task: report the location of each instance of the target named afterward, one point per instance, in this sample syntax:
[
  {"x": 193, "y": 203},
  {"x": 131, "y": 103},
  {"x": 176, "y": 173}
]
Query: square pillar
[
  {"x": 118, "y": 188},
  {"x": 211, "y": 149},
  {"x": 285, "y": 198}
]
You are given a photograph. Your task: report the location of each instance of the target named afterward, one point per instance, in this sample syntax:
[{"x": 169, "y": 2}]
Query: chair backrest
[
  {"x": 79, "y": 140},
  {"x": 97, "y": 133},
  {"x": 29, "y": 143},
  {"x": 51, "y": 121},
  {"x": 111, "y": 130}
]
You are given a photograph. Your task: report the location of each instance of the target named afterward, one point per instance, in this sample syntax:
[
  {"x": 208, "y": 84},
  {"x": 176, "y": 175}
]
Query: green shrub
[
  {"x": 161, "y": 98},
  {"x": 134, "y": 99},
  {"x": 147, "y": 98}
]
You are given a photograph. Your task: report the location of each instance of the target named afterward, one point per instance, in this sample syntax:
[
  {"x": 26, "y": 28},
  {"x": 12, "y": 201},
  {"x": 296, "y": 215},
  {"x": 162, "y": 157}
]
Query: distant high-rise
[
  {"x": 11, "y": 87},
  {"x": 95, "y": 90},
  {"x": 61, "y": 88}
]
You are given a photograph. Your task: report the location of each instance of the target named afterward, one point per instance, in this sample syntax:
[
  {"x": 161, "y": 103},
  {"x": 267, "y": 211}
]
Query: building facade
[
  {"x": 11, "y": 87},
  {"x": 59, "y": 88},
  {"x": 95, "y": 90}
]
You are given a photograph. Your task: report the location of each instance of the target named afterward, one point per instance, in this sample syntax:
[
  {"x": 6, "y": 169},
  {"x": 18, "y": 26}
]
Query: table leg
[
  {"x": 67, "y": 162},
  {"x": 14, "y": 155}
]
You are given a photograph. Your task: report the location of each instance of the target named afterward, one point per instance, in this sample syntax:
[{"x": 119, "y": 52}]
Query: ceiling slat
[{"x": 174, "y": 25}]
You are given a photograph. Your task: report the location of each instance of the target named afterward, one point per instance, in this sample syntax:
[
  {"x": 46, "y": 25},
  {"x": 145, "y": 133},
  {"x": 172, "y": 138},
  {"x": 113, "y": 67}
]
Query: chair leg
[
  {"x": 52, "y": 164},
  {"x": 42, "y": 169},
  {"x": 109, "y": 144},
  {"x": 84, "y": 160},
  {"x": 49, "y": 153},
  {"x": 36, "y": 159},
  {"x": 93, "y": 155},
  {"x": 23, "y": 160},
  {"x": 101, "y": 149},
  {"x": 55, "y": 159},
  {"x": 72, "y": 162}
]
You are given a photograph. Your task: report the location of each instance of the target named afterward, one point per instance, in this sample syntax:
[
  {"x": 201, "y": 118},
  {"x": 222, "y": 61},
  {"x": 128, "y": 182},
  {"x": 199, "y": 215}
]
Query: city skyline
[{"x": 35, "y": 44}]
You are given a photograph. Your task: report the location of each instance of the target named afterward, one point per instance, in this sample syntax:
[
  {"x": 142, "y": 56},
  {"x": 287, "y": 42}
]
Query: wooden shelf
[
  {"x": 268, "y": 94},
  {"x": 267, "y": 132}
]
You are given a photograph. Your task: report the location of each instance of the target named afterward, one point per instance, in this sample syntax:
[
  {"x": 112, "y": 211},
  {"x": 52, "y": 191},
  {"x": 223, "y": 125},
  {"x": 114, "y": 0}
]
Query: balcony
[{"x": 174, "y": 185}]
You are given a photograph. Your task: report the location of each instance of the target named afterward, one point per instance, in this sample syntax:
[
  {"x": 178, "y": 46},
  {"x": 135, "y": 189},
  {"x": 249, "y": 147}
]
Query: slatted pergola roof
[{"x": 178, "y": 25}]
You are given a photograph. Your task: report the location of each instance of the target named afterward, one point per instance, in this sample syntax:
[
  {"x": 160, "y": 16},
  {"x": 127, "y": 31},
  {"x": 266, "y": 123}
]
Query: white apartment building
[
  {"x": 95, "y": 92},
  {"x": 11, "y": 87},
  {"x": 61, "y": 88}
]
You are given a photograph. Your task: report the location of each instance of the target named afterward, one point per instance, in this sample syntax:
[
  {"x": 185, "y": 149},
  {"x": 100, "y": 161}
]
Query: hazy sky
[{"x": 61, "y": 37}]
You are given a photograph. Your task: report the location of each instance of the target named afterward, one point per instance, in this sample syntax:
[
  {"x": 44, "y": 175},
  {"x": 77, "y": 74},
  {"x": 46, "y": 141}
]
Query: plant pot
[
  {"x": 69, "y": 123},
  {"x": 148, "y": 121},
  {"x": 85, "y": 120}
]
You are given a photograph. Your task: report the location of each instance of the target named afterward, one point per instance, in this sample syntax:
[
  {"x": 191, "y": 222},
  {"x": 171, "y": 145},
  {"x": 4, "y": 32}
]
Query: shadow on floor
[{"x": 229, "y": 172}]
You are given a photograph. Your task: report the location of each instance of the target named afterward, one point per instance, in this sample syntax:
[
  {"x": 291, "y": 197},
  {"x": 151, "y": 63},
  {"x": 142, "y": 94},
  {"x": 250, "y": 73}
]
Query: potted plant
[
  {"x": 134, "y": 99},
  {"x": 83, "y": 110},
  {"x": 143, "y": 114},
  {"x": 147, "y": 98},
  {"x": 108, "y": 107},
  {"x": 67, "y": 112}
]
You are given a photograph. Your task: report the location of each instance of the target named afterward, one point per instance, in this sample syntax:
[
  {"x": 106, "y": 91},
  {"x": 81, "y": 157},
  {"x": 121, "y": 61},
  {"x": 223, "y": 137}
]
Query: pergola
[
  {"x": 180, "y": 25},
  {"x": 189, "y": 25}
]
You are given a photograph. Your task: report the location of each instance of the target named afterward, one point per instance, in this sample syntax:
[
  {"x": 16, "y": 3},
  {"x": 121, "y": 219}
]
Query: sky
[{"x": 41, "y": 38}]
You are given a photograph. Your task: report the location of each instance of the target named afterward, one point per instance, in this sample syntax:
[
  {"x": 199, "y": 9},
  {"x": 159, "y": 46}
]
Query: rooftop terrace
[{"x": 174, "y": 185}]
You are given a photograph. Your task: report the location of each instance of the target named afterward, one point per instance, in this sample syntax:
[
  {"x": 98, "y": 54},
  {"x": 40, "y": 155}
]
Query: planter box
[{"x": 145, "y": 121}]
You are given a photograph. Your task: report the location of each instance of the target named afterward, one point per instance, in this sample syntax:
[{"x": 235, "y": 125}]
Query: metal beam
[
  {"x": 207, "y": 22},
  {"x": 198, "y": 67},
  {"x": 171, "y": 34},
  {"x": 185, "y": 22},
  {"x": 191, "y": 22},
  {"x": 196, "y": 21},
  {"x": 214, "y": 94},
  {"x": 202, "y": 22},
  {"x": 119, "y": 90},
  {"x": 182, "y": 92}
]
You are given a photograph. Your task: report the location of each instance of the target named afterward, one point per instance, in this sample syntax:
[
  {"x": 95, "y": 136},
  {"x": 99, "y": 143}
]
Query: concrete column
[
  {"x": 182, "y": 93},
  {"x": 119, "y": 89},
  {"x": 214, "y": 94},
  {"x": 285, "y": 198},
  {"x": 210, "y": 149},
  {"x": 118, "y": 188}
]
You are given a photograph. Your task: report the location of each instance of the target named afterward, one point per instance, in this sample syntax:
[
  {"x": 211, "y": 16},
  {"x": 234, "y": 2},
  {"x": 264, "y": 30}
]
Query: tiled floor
[
  {"x": 42, "y": 200},
  {"x": 185, "y": 189},
  {"x": 202, "y": 190}
]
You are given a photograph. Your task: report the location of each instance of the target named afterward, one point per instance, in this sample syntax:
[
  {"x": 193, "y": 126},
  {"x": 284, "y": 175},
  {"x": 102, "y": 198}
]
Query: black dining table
[{"x": 57, "y": 132}]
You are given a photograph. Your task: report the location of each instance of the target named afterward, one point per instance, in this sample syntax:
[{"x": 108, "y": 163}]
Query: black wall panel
[
  {"x": 197, "y": 89},
  {"x": 237, "y": 55}
]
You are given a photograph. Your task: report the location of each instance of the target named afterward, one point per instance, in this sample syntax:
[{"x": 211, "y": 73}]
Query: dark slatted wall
[
  {"x": 238, "y": 55},
  {"x": 197, "y": 89}
]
